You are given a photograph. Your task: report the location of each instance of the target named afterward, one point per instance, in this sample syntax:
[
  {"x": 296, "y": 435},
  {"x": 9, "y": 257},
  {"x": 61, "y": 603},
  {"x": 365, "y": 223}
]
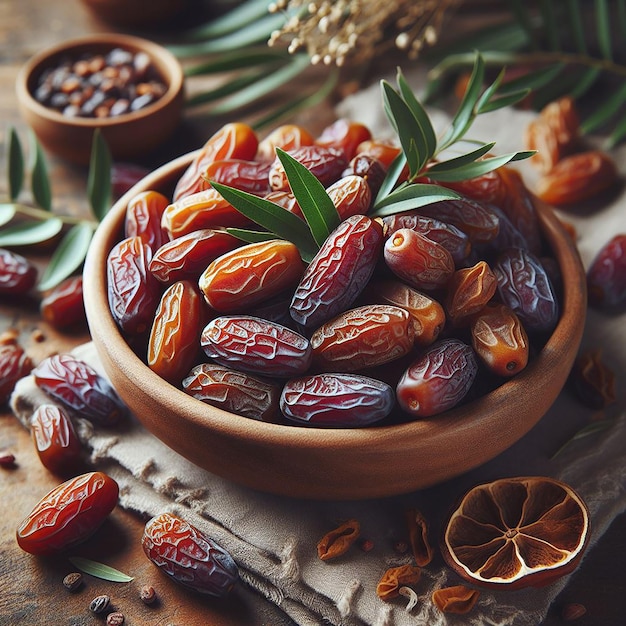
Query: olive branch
[
  {"x": 420, "y": 149},
  {"x": 34, "y": 221}
]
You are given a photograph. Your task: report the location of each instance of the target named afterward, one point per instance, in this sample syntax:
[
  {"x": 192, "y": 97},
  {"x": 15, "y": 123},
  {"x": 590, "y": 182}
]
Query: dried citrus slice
[{"x": 517, "y": 532}]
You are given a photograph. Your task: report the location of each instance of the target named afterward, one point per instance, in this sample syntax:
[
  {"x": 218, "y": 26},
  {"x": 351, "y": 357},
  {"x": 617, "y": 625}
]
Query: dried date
[
  {"x": 345, "y": 136},
  {"x": 438, "y": 380},
  {"x": 250, "y": 176},
  {"x": 188, "y": 556},
  {"x": 256, "y": 345},
  {"x": 133, "y": 292},
  {"x": 287, "y": 137},
  {"x": 469, "y": 290},
  {"x": 525, "y": 287},
  {"x": 335, "y": 399},
  {"x": 325, "y": 163},
  {"x": 17, "y": 274},
  {"x": 251, "y": 274},
  {"x": 187, "y": 256},
  {"x": 339, "y": 271},
  {"x": 363, "y": 337},
  {"x": 417, "y": 260},
  {"x": 351, "y": 195},
  {"x": 606, "y": 276},
  {"x": 143, "y": 218},
  {"x": 14, "y": 364},
  {"x": 69, "y": 514},
  {"x": 458, "y": 599},
  {"x": 234, "y": 391},
  {"x": 55, "y": 439},
  {"x": 77, "y": 386},
  {"x": 338, "y": 541},
  {"x": 63, "y": 307},
  {"x": 173, "y": 343},
  {"x": 231, "y": 141}
]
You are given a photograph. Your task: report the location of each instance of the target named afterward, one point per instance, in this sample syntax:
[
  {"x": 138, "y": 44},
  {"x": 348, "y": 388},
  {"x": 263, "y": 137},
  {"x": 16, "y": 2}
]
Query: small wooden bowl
[
  {"x": 129, "y": 135},
  {"x": 324, "y": 463}
]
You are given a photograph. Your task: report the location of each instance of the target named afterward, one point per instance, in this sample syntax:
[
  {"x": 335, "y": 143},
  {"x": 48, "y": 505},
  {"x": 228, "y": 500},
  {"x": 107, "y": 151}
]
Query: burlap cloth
[{"x": 273, "y": 539}]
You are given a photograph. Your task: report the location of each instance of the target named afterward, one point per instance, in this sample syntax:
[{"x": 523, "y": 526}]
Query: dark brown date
[
  {"x": 339, "y": 271},
  {"x": 14, "y": 364},
  {"x": 17, "y": 274},
  {"x": 133, "y": 292},
  {"x": 78, "y": 387},
  {"x": 525, "y": 287},
  {"x": 187, "y": 256},
  {"x": 234, "y": 391},
  {"x": 325, "y": 163},
  {"x": 143, "y": 218},
  {"x": 606, "y": 276},
  {"x": 55, "y": 439},
  {"x": 438, "y": 380},
  {"x": 342, "y": 400},
  {"x": 63, "y": 306},
  {"x": 256, "y": 345}
]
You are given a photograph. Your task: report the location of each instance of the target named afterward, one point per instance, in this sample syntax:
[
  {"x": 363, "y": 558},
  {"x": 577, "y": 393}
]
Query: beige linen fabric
[{"x": 273, "y": 538}]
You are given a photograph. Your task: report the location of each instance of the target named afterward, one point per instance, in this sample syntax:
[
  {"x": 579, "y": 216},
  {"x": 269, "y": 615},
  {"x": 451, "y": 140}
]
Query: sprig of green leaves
[
  {"x": 421, "y": 153},
  {"x": 34, "y": 222}
]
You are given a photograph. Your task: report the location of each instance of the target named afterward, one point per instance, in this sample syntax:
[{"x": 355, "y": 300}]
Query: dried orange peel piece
[{"x": 517, "y": 532}]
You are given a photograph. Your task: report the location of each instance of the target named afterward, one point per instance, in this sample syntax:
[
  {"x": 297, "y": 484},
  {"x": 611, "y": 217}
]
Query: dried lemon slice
[{"x": 517, "y": 532}]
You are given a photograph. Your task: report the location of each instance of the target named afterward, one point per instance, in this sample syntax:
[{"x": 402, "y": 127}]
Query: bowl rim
[
  {"x": 168, "y": 66},
  {"x": 563, "y": 342}
]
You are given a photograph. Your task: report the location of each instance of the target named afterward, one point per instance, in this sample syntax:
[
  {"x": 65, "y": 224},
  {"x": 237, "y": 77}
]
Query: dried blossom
[
  {"x": 396, "y": 577},
  {"x": 337, "y": 541},
  {"x": 332, "y": 32},
  {"x": 458, "y": 599}
]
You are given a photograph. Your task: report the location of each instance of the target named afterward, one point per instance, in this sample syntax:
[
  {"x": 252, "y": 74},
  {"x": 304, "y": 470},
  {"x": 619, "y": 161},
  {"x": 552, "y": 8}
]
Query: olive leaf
[
  {"x": 7, "y": 212},
  {"x": 15, "y": 156},
  {"x": 40, "y": 181},
  {"x": 68, "y": 256},
  {"x": 274, "y": 218},
  {"x": 316, "y": 205},
  {"x": 409, "y": 197},
  {"x": 237, "y": 59},
  {"x": 28, "y": 233},
  {"x": 99, "y": 189},
  {"x": 586, "y": 431},
  {"x": 476, "y": 168},
  {"x": 99, "y": 570}
]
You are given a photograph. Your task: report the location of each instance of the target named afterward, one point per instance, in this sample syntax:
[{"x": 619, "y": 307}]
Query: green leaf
[
  {"x": 40, "y": 181},
  {"x": 618, "y": 133},
  {"x": 67, "y": 257},
  {"x": 7, "y": 212},
  {"x": 256, "y": 32},
  {"x": 550, "y": 27},
  {"x": 586, "y": 431},
  {"x": 28, "y": 233},
  {"x": 420, "y": 115},
  {"x": 391, "y": 177},
  {"x": 603, "y": 22},
  {"x": 316, "y": 205},
  {"x": 99, "y": 188},
  {"x": 274, "y": 218},
  {"x": 477, "y": 168},
  {"x": 532, "y": 80},
  {"x": 407, "y": 127},
  {"x": 609, "y": 107},
  {"x": 576, "y": 20},
  {"x": 412, "y": 197},
  {"x": 502, "y": 102},
  {"x": 264, "y": 86},
  {"x": 305, "y": 101},
  {"x": 241, "y": 15},
  {"x": 231, "y": 86},
  {"x": 586, "y": 79},
  {"x": 469, "y": 157},
  {"x": 251, "y": 236},
  {"x": 99, "y": 570},
  {"x": 466, "y": 114},
  {"x": 15, "y": 156},
  {"x": 237, "y": 59}
]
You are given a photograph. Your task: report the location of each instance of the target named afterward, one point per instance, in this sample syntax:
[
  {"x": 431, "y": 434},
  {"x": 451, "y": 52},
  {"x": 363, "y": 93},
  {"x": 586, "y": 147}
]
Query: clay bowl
[
  {"x": 129, "y": 135},
  {"x": 324, "y": 463}
]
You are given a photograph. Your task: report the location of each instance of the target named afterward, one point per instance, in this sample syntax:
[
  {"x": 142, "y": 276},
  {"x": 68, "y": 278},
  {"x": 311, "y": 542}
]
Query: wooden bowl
[
  {"x": 325, "y": 463},
  {"x": 130, "y": 135}
]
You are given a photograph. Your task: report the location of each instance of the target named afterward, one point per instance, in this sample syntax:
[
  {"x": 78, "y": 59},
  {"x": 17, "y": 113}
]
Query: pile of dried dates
[{"x": 395, "y": 318}]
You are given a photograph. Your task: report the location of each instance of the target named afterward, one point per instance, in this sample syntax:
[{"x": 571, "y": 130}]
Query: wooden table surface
[{"x": 31, "y": 591}]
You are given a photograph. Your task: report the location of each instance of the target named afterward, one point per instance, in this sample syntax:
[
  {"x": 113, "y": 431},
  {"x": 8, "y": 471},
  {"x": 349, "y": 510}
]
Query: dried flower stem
[{"x": 333, "y": 32}]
